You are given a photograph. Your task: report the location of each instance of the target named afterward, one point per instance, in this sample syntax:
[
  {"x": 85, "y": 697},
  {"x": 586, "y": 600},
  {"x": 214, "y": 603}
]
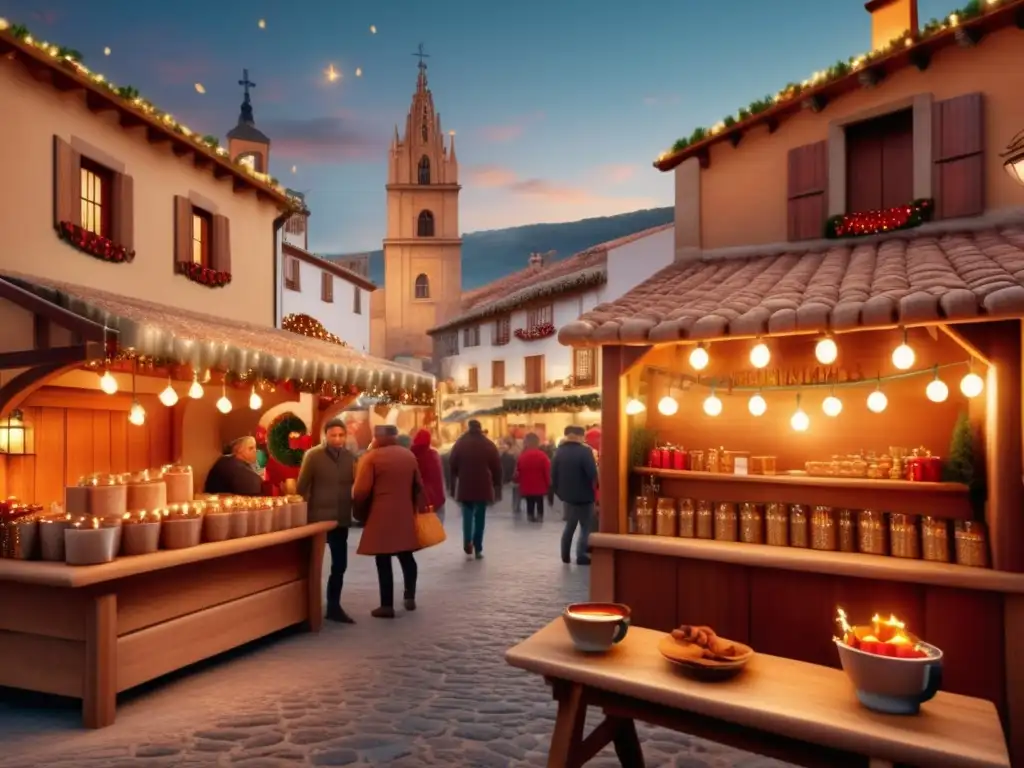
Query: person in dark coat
[
  {"x": 430, "y": 471},
  {"x": 235, "y": 472},
  {"x": 574, "y": 481},
  {"x": 325, "y": 482},
  {"x": 476, "y": 477}
]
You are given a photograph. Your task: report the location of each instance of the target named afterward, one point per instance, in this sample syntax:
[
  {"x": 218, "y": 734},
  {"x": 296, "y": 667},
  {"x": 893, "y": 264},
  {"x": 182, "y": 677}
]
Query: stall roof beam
[
  {"x": 78, "y": 353},
  {"x": 82, "y": 327}
]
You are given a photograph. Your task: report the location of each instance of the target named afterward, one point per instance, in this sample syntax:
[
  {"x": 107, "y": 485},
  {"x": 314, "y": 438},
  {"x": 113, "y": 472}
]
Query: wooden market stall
[
  {"x": 101, "y": 390},
  {"x": 754, "y": 482}
]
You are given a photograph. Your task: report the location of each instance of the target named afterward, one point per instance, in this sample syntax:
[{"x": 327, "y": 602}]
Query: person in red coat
[
  {"x": 429, "y": 461},
  {"x": 533, "y": 473}
]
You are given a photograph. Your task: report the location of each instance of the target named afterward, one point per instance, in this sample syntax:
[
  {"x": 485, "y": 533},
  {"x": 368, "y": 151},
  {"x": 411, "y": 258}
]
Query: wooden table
[
  {"x": 803, "y": 713},
  {"x": 91, "y": 632}
]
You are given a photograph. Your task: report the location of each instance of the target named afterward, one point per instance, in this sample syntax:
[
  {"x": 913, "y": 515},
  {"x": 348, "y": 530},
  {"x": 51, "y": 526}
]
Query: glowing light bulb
[
  {"x": 832, "y": 406},
  {"x": 972, "y": 385},
  {"x": 757, "y": 405},
  {"x": 826, "y": 351},
  {"x": 800, "y": 421},
  {"x": 699, "y": 358},
  {"x": 195, "y": 390},
  {"x": 760, "y": 355},
  {"x": 137, "y": 414},
  {"x": 223, "y": 404},
  {"x": 108, "y": 383},
  {"x": 903, "y": 356},
  {"x": 168, "y": 397},
  {"x": 255, "y": 401},
  {"x": 634, "y": 407},
  {"x": 713, "y": 405},
  {"x": 877, "y": 401},
  {"x": 668, "y": 406},
  {"x": 937, "y": 391}
]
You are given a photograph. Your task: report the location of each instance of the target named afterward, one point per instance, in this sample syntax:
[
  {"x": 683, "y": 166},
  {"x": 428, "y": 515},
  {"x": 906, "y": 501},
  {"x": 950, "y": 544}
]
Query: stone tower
[
  {"x": 422, "y": 249},
  {"x": 246, "y": 142}
]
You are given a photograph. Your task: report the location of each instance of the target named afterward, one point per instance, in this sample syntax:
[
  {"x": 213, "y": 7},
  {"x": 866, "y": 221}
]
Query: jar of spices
[
  {"x": 971, "y": 545},
  {"x": 696, "y": 461},
  {"x": 705, "y": 520},
  {"x": 847, "y": 531},
  {"x": 751, "y": 524},
  {"x": 824, "y": 533},
  {"x": 903, "y": 536},
  {"x": 872, "y": 538},
  {"x": 712, "y": 460},
  {"x": 798, "y": 526},
  {"x": 644, "y": 516},
  {"x": 935, "y": 539},
  {"x": 687, "y": 518},
  {"x": 776, "y": 524},
  {"x": 665, "y": 518},
  {"x": 725, "y": 522}
]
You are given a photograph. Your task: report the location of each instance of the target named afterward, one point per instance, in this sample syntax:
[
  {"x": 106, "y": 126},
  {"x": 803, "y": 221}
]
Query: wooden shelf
[{"x": 948, "y": 500}]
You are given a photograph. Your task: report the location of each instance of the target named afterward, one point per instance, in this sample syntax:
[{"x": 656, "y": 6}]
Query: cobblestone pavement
[{"x": 430, "y": 688}]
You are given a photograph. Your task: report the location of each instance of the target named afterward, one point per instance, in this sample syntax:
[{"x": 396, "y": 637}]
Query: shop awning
[
  {"x": 455, "y": 417},
  {"x": 208, "y": 342}
]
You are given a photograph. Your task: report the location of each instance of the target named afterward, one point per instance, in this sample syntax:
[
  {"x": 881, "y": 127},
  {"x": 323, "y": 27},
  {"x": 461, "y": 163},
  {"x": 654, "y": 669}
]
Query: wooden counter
[{"x": 91, "y": 632}]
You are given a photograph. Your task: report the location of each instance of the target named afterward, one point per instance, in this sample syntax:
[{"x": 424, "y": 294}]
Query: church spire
[
  {"x": 421, "y": 80},
  {"x": 246, "y": 142}
]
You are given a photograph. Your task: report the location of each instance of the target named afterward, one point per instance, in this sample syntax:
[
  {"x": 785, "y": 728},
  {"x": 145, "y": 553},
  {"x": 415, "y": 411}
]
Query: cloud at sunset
[
  {"x": 615, "y": 173},
  {"x": 504, "y": 132},
  {"x": 331, "y": 140}
]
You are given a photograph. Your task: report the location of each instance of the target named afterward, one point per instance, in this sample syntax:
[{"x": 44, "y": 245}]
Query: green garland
[
  {"x": 590, "y": 402},
  {"x": 839, "y": 70},
  {"x": 277, "y": 439}
]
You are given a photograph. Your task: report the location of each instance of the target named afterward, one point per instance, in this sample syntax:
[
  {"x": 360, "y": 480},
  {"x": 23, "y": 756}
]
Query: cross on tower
[
  {"x": 421, "y": 56},
  {"x": 246, "y": 83}
]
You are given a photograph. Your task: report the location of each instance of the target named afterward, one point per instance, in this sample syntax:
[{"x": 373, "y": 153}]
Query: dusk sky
[{"x": 576, "y": 96}]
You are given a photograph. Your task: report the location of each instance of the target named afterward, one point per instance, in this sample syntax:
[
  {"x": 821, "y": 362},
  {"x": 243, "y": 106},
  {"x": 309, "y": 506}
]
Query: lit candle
[{"x": 90, "y": 542}]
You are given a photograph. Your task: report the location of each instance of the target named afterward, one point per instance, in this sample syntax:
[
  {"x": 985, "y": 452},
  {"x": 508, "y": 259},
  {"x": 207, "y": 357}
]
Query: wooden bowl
[{"x": 688, "y": 659}]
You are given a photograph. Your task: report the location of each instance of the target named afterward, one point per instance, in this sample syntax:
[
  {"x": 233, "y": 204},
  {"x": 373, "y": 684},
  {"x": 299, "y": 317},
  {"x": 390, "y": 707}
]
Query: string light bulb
[
  {"x": 223, "y": 404},
  {"x": 668, "y": 406},
  {"x": 832, "y": 406},
  {"x": 137, "y": 414},
  {"x": 799, "y": 421},
  {"x": 972, "y": 385},
  {"x": 937, "y": 391},
  {"x": 877, "y": 401},
  {"x": 713, "y": 405},
  {"x": 168, "y": 396},
  {"x": 903, "y": 356},
  {"x": 699, "y": 358},
  {"x": 757, "y": 405},
  {"x": 760, "y": 355},
  {"x": 255, "y": 401},
  {"x": 195, "y": 390},
  {"x": 826, "y": 351},
  {"x": 634, "y": 407},
  {"x": 108, "y": 383}
]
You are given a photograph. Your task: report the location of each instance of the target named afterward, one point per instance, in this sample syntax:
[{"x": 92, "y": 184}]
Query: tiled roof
[
  {"x": 930, "y": 275},
  {"x": 333, "y": 267}
]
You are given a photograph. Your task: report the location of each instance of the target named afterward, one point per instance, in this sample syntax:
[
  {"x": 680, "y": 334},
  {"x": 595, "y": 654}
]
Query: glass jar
[
  {"x": 665, "y": 518},
  {"x": 903, "y": 538},
  {"x": 824, "y": 534},
  {"x": 847, "y": 531},
  {"x": 751, "y": 524},
  {"x": 935, "y": 539},
  {"x": 798, "y": 527},
  {"x": 776, "y": 524},
  {"x": 644, "y": 516},
  {"x": 725, "y": 521},
  {"x": 872, "y": 534},
  {"x": 687, "y": 518},
  {"x": 705, "y": 520},
  {"x": 971, "y": 544}
]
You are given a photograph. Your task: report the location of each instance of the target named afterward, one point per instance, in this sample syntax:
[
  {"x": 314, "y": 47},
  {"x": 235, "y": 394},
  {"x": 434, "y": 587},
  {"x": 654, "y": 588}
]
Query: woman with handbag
[{"x": 431, "y": 472}]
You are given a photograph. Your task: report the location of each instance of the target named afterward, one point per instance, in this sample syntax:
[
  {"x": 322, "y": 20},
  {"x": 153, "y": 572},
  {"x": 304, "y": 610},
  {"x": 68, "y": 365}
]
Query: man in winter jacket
[
  {"x": 574, "y": 480},
  {"x": 476, "y": 476}
]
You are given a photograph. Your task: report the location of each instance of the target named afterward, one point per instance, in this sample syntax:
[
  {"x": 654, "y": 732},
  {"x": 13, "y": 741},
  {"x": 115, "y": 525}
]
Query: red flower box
[
  {"x": 93, "y": 244},
  {"x": 875, "y": 222},
  {"x": 537, "y": 332},
  {"x": 197, "y": 273}
]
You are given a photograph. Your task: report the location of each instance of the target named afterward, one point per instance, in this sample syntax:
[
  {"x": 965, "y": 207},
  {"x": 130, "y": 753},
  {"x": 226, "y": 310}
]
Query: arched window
[
  {"x": 425, "y": 224},
  {"x": 424, "y": 170},
  {"x": 422, "y": 287}
]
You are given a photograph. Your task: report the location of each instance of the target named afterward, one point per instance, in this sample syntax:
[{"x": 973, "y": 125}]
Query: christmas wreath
[{"x": 278, "y": 442}]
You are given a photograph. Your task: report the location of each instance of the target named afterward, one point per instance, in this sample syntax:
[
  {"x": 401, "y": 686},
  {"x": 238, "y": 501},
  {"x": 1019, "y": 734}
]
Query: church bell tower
[
  {"x": 247, "y": 143},
  {"x": 422, "y": 249}
]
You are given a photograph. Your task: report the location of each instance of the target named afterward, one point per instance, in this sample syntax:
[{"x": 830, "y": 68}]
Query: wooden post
[
  {"x": 314, "y": 577},
  {"x": 616, "y": 361},
  {"x": 99, "y": 698}
]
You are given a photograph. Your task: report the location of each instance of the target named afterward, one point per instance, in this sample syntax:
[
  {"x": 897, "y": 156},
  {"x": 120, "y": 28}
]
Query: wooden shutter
[
  {"x": 497, "y": 373},
  {"x": 182, "y": 230},
  {"x": 220, "y": 253},
  {"x": 67, "y": 183},
  {"x": 807, "y": 186},
  {"x": 958, "y": 150},
  {"x": 473, "y": 379},
  {"x": 326, "y": 287},
  {"x": 124, "y": 211}
]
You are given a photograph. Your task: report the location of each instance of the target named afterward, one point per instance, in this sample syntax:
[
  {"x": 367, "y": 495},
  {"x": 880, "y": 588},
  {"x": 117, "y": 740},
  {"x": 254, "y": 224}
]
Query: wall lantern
[
  {"x": 16, "y": 438},
  {"x": 1013, "y": 158}
]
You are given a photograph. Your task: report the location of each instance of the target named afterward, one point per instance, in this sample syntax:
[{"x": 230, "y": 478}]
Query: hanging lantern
[
  {"x": 16, "y": 437},
  {"x": 1013, "y": 158}
]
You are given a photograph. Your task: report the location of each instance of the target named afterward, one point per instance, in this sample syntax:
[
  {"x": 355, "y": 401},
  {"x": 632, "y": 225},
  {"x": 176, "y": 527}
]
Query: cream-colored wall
[
  {"x": 743, "y": 192},
  {"x": 33, "y": 113},
  {"x": 408, "y": 318},
  {"x": 404, "y": 207}
]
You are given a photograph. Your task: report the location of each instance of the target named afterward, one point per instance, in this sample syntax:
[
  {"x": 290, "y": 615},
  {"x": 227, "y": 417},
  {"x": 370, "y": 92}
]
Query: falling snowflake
[
  {"x": 200, "y": 88},
  {"x": 332, "y": 74},
  {"x": 359, "y": 71},
  {"x": 373, "y": 29},
  {"x": 295, "y": 169},
  {"x": 262, "y": 23},
  {"x": 106, "y": 51}
]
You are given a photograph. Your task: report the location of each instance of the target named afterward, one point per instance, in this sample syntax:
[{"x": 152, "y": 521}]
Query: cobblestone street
[{"x": 428, "y": 689}]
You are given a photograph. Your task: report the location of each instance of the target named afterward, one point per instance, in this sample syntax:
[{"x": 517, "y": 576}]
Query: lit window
[
  {"x": 201, "y": 229},
  {"x": 95, "y": 194}
]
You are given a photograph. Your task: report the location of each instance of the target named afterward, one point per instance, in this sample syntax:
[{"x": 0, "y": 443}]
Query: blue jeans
[
  {"x": 581, "y": 515},
  {"x": 473, "y": 513}
]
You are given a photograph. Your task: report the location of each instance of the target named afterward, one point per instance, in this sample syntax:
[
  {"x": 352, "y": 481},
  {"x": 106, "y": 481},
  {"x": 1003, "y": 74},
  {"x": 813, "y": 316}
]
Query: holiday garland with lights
[
  {"x": 875, "y": 222},
  {"x": 541, "y": 331},
  {"x": 279, "y": 441},
  {"x": 197, "y": 273},
  {"x": 974, "y": 9},
  {"x": 311, "y": 327},
  {"x": 591, "y": 402},
  {"x": 94, "y": 244}
]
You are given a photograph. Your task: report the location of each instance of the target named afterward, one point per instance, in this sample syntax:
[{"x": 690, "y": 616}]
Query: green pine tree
[{"x": 963, "y": 463}]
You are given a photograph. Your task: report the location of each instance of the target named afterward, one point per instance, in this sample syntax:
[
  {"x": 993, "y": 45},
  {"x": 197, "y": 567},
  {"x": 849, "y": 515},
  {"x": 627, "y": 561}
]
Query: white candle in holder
[
  {"x": 180, "y": 488},
  {"x": 147, "y": 490},
  {"x": 108, "y": 496},
  {"x": 92, "y": 542},
  {"x": 140, "y": 533}
]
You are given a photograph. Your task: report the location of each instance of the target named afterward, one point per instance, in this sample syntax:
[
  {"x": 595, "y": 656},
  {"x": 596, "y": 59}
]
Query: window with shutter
[
  {"x": 220, "y": 254},
  {"x": 584, "y": 370},
  {"x": 357, "y": 300},
  {"x": 958, "y": 149},
  {"x": 808, "y": 181},
  {"x": 497, "y": 374},
  {"x": 202, "y": 238},
  {"x": 534, "y": 365},
  {"x": 291, "y": 274},
  {"x": 182, "y": 231},
  {"x": 538, "y": 316},
  {"x": 502, "y": 331},
  {"x": 327, "y": 287},
  {"x": 89, "y": 194},
  {"x": 473, "y": 379},
  {"x": 880, "y": 162}
]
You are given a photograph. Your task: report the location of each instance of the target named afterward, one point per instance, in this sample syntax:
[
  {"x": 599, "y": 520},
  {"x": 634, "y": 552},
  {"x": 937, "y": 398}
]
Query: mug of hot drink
[{"x": 596, "y": 627}]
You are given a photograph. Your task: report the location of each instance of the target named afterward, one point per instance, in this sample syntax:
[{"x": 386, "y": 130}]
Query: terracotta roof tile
[{"x": 951, "y": 275}]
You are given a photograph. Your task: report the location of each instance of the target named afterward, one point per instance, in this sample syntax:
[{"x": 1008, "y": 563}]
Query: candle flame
[{"x": 95, "y": 522}]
